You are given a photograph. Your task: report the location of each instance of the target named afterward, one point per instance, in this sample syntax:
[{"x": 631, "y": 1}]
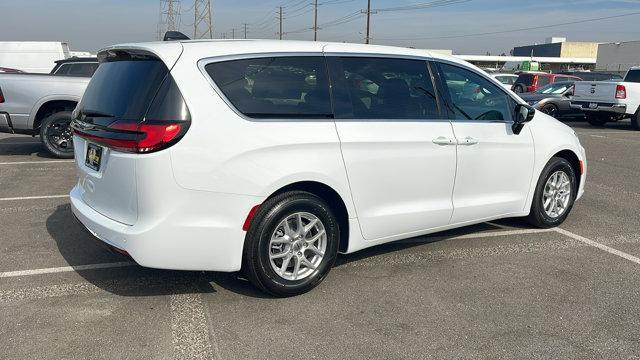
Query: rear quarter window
[
  {"x": 526, "y": 79},
  {"x": 275, "y": 87}
]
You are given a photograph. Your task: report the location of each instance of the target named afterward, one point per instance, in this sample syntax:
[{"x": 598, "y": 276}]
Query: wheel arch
[
  {"x": 47, "y": 106},
  {"x": 573, "y": 159},
  {"x": 333, "y": 199}
]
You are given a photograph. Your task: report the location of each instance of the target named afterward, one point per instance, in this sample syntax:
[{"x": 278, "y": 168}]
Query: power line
[{"x": 518, "y": 29}]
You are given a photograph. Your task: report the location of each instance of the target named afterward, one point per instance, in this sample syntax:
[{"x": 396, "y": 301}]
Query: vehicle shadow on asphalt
[
  {"x": 79, "y": 247},
  {"x": 23, "y": 146}
]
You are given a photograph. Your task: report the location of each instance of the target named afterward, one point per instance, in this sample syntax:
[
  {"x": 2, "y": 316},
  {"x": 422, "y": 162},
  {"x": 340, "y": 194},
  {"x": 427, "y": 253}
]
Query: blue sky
[{"x": 93, "y": 24}]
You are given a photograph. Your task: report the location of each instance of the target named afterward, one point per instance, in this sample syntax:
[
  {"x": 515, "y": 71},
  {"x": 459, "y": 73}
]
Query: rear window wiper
[{"x": 95, "y": 113}]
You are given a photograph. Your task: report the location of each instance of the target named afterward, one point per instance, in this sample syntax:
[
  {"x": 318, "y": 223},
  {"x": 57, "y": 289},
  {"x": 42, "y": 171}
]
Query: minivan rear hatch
[{"x": 131, "y": 107}]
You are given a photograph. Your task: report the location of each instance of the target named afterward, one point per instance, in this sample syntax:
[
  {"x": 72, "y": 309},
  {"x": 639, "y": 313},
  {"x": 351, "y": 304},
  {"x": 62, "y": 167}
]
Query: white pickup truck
[
  {"x": 41, "y": 104},
  {"x": 604, "y": 101}
]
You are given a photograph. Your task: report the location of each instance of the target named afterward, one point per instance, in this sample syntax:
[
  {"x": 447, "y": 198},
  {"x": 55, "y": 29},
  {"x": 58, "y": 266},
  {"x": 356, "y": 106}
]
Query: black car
[{"x": 554, "y": 100}]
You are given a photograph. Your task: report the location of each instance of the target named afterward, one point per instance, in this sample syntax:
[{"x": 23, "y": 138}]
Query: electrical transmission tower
[
  {"x": 169, "y": 17},
  {"x": 202, "y": 26}
]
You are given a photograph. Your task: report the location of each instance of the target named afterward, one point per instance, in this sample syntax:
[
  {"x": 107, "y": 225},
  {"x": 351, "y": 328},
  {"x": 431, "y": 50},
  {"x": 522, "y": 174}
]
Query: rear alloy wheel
[
  {"x": 291, "y": 244},
  {"x": 550, "y": 109},
  {"x": 519, "y": 89},
  {"x": 597, "y": 119},
  {"x": 56, "y": 136},
  {"x": 555, "y": 193}
]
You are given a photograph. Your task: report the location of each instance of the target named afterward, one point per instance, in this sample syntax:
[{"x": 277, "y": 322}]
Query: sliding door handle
[
  {"x": 441, "y": 140},
  {"x": 468, "y": 141}
]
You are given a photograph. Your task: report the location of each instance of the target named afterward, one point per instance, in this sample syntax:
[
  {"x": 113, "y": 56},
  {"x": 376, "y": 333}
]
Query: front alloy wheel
[{"x": 554, "y": 195}]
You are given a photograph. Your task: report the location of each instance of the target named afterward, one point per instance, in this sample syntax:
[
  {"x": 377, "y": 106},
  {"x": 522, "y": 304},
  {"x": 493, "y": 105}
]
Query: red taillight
[
  {"x": 1, "y": 97},
  {"x": 621, "y": 92},
  {"x": 137, "y": 138}
]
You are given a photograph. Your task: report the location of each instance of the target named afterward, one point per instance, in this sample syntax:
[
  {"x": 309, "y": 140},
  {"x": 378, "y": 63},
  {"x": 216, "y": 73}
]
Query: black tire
[
  {"x": 518, "y": 88},
  {"x": 635, "y": 120},
  {"x": 597, "y": 120},
  {"x": 538, "y": 216},
  {"x": 551, "y": 110},
  {"x": 55, "y": 134},
  {"x": 256, "y": 263}
]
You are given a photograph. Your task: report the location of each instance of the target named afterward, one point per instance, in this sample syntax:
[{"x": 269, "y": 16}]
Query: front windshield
[{"x": 556, "y": 88}]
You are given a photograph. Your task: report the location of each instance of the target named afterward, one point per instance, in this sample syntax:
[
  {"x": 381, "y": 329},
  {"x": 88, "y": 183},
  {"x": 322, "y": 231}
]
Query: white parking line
[
  {"x": 598, "y": 245},
  {"x": 36, "y": 162},
  {"x": 189, "y": 330},
  {"x": 54, "y": 270},
  {"x": 34, "y": 197}
]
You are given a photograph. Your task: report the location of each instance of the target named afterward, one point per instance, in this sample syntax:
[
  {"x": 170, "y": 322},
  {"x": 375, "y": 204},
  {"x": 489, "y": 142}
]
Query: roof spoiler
[{"x": 174, "y": 35}]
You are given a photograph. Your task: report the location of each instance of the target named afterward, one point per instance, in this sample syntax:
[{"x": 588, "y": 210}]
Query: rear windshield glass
[
  {"x": 633, "y": 76},
  {"x": 123, "y": 89},
  {"x": 526, "y": 79},
  {"x": 275, "y": 86}
]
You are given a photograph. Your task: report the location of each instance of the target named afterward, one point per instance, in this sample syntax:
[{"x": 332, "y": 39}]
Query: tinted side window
[
  {"x": 633, "y": 76},
  {"x": 526, "y": 79},
  {"x": 383, "y": 88},
  {"x": 82, "y": 69},
  {"x": 472, "y": 97},
  {"x": 273, "y": 87},
  {"x": 62, "y": 70},
  {"x": 543, "y": 80}
]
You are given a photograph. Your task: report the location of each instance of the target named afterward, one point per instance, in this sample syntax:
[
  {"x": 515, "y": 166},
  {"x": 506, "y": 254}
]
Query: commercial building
[
  {"x": 618, "y": 57},
  {"x": 559, "y": 47}
]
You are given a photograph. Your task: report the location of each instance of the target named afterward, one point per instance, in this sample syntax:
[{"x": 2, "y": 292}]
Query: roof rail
[{"x": 174, "y": 35}]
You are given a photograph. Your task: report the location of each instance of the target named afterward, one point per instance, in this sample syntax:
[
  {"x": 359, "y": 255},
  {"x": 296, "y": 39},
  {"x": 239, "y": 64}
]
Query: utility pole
[
  {"x": 280, "y": 13},
  {"x": 202, "y": 25},
  {"x": 233, "y": 33},
  {"x": 315, "y": 20},
  {"x": 367, "y": 39},
  {"x": 245, "y": 29}
]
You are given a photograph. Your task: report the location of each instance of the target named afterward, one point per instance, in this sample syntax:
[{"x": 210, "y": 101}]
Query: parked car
[
  {"x": 507, "y": 80},
  {"x": 231, "y": 155},
  {"x": 530, "y": 82},
  {"x": 593, "y": 76},
  {"x": 76, "y": 66},
  {"x": 554, "y": 100},
  {"x": 37, "y": 104},
  {"x": 605, "y": 101}
]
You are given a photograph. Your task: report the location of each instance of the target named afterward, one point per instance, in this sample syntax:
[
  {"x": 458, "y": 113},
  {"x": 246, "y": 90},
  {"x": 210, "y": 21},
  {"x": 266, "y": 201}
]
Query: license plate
[
  {"x": 593, "y": 105},
  {"x": 94, "y": 156}
]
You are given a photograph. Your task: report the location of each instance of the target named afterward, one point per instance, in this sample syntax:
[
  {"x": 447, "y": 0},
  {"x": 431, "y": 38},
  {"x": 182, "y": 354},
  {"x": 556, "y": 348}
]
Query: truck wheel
[
  {"x": 635, "y": 120},
  {"x": 597, "y": 119},
  {"x": 55, "y": 134}
]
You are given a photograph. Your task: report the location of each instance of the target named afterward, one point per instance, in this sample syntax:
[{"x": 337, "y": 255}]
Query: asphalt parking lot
[{"x": 500, "y": 290}]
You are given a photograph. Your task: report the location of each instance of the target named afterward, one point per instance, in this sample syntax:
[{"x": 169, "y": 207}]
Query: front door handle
[
  {"x": 468, "y": 141},
  {"x": 441, "y": 140}
]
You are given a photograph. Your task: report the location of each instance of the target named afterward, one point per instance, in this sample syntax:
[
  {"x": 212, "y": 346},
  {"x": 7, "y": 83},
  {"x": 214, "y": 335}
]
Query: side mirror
[{"x": 523, "y": 114}]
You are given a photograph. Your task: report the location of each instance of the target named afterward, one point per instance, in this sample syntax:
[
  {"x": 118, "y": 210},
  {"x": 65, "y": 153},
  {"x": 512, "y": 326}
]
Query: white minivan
[{"x": 274, "y": 156}]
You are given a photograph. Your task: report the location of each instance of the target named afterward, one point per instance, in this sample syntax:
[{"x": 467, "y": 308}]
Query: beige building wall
[{"x": 575, "y": 49}]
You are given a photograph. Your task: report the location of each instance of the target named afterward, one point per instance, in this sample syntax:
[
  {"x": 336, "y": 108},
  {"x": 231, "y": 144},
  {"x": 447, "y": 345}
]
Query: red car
[{"x": 529, "y": 82}]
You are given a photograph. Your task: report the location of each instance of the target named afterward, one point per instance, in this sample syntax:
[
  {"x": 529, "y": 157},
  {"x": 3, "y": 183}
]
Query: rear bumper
[
  {"x": 194, "y": 234},
  {"x": 602, "y": 107}
]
